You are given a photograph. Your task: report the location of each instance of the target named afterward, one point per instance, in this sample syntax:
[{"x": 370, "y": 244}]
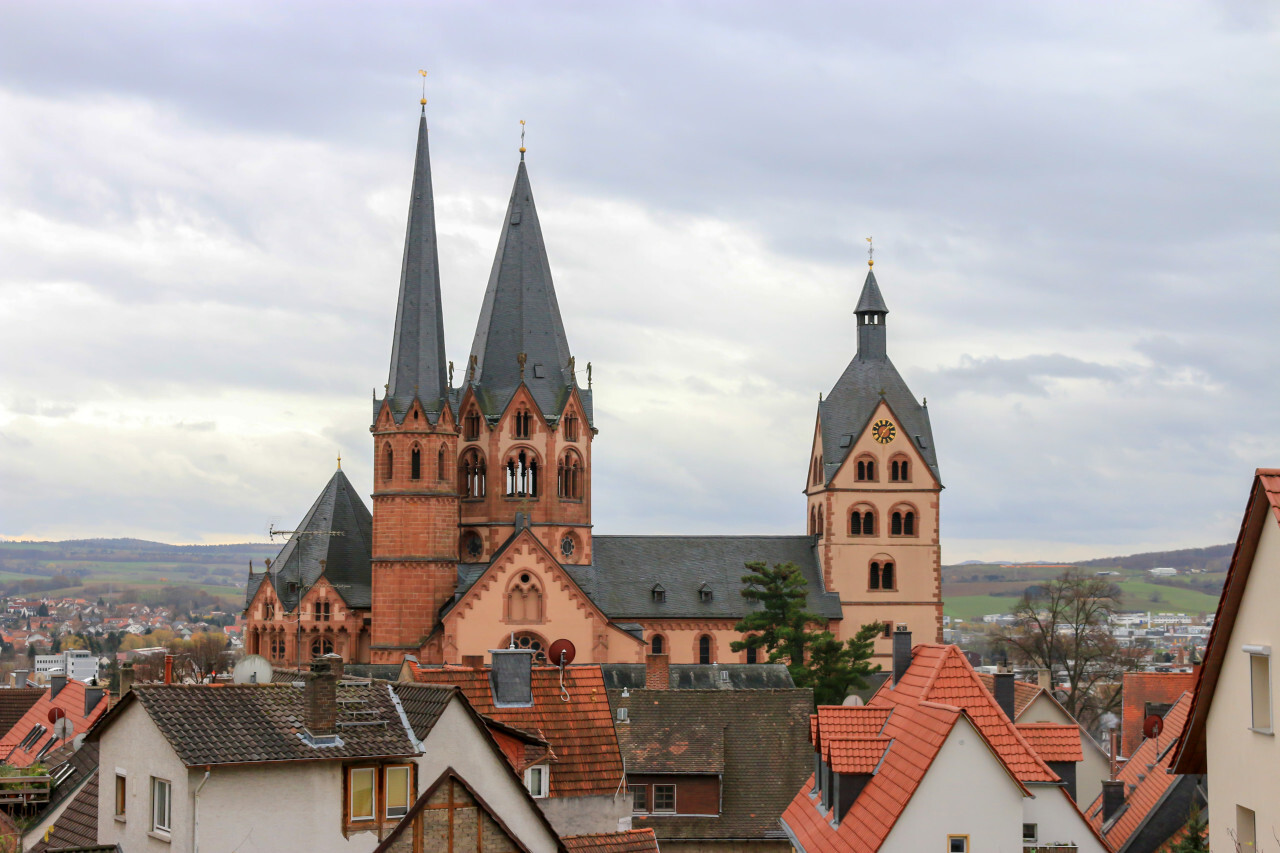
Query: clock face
[{"x": 883, "y": 431}]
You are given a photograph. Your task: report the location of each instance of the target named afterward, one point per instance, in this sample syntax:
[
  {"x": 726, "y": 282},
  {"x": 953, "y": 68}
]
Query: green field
[{"x": 1137, "y": 595}]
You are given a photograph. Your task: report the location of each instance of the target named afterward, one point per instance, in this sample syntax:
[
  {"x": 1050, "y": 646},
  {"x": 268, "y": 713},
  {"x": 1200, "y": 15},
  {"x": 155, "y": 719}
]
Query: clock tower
[{"x": 872, "y": 491}]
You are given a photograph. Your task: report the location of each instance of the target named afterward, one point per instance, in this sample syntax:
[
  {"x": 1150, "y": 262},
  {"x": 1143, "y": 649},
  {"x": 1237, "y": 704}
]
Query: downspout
[{"x": 195, "y": 828}]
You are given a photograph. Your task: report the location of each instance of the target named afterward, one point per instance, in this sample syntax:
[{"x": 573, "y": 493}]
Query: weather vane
[
  {"x": 521, "y": 139},
  {"x": 871, "y": 252},
  {"x": 424, "y": 88}
]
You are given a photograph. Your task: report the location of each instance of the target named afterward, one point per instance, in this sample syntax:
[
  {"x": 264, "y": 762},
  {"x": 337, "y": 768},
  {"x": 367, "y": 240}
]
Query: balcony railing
[{"x": 18, "y": 790}]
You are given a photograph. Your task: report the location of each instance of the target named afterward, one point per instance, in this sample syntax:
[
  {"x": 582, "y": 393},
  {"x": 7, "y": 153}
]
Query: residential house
[
  {"x": 70, "y": 818},
  {"x": 1231, "y": 731},
  {"x": 579, "y": 782},
  {"x": 1144, "y": 694},
  {"x": 712, "y": 769},
  {"x": 75, "y": 705},
  {"x": 16, "y": 701},
  {"x": 931, "y": 762},
  {"x": 1148, "y": 804}
]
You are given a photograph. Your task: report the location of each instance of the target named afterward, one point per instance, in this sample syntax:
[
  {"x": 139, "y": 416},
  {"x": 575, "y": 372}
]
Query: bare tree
[{"x": 1063, "y": 626}]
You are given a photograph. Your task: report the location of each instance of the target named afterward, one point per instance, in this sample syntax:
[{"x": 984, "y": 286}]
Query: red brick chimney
[
  {"x": 168, "y": 669},
  {"x": 321, "y": 700},
  {"x": 657, "y": 672},
  {"x": 473, "y": 661}
]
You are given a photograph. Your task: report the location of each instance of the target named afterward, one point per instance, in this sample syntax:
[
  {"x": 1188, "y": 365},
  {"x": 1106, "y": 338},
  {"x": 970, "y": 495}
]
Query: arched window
[
  {"x": 522, "y": 475},
  {"x": 908, "y": 523},
  {"x": 442, "y": 471},
  {"x": 886, "y": 576},
  {"x": 523, "y": 422},
  {"x": 657, "y": 644},
  {"x": 415, "y": 463},
  {"x": 529, "y": 640},
  {"x": 704, "y": 649},
  {"x": 895, "y": 525},
  {"x": 524, "y": 600},
  {"x": 473, "y": 475},
  {"x": 570, "y": 428},
  {"x": 817, "y": 520},
  {"x": 904, "y": 521},
  {"x": 813, "y": 520},
  {"x": 900, "y": 471},
  {"x": 321, "y": 646},
  {"x": 471, "y": 428},
  {"x": 862, "y": 522},
  {"x": 472, "y": 546},
  {"x": 388, "y": 462},
  {"x": 866, "y": 470},
  {"x": 873, "y": 577},
  {"x": 569, "y": 477}
]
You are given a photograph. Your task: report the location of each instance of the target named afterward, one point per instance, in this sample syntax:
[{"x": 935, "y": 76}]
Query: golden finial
[
  {"x": 522, "y": 358},
  {"x": 521, "y": 139},
  {"x": 424, "y": 88},
  {"x": 871, "y": 251},
  {"x": 339, "y": 461}
]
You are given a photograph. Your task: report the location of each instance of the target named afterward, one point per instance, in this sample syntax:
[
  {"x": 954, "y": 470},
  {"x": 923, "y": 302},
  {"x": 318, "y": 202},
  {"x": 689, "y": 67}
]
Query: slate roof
[
  {"x": 14, "y": 702},
  {"x": 696, "y": 676},
  {"x": 757, "y": 734},
  {"x": 917, "y": 714},
  {"x": 417, "y": 351},
  {"x": 1053, "y": 741},
  {"x": 630, "y": 841},
  {"x": 1146, "y": 776},
  {"x": 586, "y": 760},
  {"x": 348, "y": 558},
  {"x": 18, "y": 750},
  {"x": 625, "y": 569},
  {"x": 1140, "y": 688},
  {"x": 1263, "y": 508},
  {"x": 847, "y": 410},
  {"x": 520, "y": 314},
  {"x": 260, "y": 723},
  {"x": 77, "y": 827},
  {"x": 423, "y": 704}
]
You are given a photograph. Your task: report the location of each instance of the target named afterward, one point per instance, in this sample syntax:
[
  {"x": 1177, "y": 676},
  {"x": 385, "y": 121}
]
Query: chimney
[
  {"x": 473, "y": 661},
  {"x": 20, "y": 677},
  {"x": 168, "y": 669},
  {"x": 57, "y": 681},
  {"x": 657, "y": 672},
  {"x": 1004, "y": 693},
  {"x": 511, "y": 678},
  {"x": 126, "y": 677},
  {"x": 901, "y": 652},
  {"x": 1044, "y": 679},
  {"x": 1112, "y": 798},
  {"x": 321, "y": 697},
  {"x": 92, "y": 696}
]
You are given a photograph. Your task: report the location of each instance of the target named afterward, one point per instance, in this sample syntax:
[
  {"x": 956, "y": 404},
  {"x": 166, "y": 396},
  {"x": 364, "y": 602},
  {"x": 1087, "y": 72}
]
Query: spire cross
[
  {"x": 424, "y": 89},
  {"x": 871, "y": 251},
  {"x": 521, "y": 139}
]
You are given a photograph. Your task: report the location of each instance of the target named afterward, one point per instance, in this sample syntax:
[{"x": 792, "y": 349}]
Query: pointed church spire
[
  {"x": 520, "y": 336},
  {"x": 417, "y": 354},
  {"x": 871, "y": 313}
]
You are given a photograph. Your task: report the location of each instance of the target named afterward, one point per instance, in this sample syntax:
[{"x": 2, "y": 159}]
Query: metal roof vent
[{"x": 622, "y": 715}]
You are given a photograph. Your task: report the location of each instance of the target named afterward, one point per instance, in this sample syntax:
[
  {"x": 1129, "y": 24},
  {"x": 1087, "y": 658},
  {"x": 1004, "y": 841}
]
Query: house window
[
  {"x": 899, "y": 471},
  {"x": 866, "y": 470},
  {"x": 639, "y": 798},
  {"x": 1260, "y": 687},
  {"x": 120, "y": 795},
  {"x": 957, "y": 844},
  {"x": 704, "y": 652},
  {"x": 360, "y": 784},
  {"x": 415, "y": 464},
  {"x": 862, "y": 522},
  {"x": 472, "y": 426},
  {"x": 1029, "y": 833},
  {"x": 886, "y": 630},
  {"x": 659, "y": 593},
  {"x": 538, "y": 780},
  {"x": 398, "y": 779},
  {"x": 161, "y": 805},
  {"x": 664, "y": 798},
  {"x": 658, "y": 645},
  {"x": 1246, "y": 829},
  {"x": 322, "y": 611}
]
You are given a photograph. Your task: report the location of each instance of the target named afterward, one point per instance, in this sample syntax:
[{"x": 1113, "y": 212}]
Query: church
[{"x": 481, "y": 533}]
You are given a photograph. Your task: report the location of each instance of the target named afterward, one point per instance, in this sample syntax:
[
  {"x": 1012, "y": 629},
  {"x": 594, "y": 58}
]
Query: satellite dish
[
  {"x": 1152, "y": 726},
  {"x": 561, "y": 653},
  {"x": 853, "y": 700},
  {"x": 64, "y": 729},
  {"x": 252, "y": 669},
  {"x": 56, "y": 714}
]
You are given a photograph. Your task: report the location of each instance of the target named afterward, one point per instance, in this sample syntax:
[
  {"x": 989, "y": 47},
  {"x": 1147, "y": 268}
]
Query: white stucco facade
[
  {"x": 1243, "y": 764},
  {"x": 1095, "y": 767}
]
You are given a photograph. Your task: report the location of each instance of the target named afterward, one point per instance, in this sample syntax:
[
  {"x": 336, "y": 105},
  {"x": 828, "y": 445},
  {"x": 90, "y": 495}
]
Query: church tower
[
  {"x": 526, "y": 424},
  {"x": 873, "y": 489},
  {"x": 415, "y": 447}
]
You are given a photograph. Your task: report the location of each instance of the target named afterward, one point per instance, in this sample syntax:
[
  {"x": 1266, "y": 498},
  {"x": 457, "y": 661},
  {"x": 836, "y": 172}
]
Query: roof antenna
[
  {"x": 521, "y": 140},
  {"x": 424, "y": 91},
  {"x": 871, "y": 251}
]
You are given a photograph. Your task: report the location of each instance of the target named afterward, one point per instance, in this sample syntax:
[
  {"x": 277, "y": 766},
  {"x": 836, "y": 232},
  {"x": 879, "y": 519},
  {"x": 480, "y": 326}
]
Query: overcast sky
[{"x": 1075, "y": 209}]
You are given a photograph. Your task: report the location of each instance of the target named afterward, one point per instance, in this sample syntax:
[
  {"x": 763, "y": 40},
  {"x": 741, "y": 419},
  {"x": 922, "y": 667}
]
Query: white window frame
[
  {"x": 388, "y": 788},
  {"x": 1260, "y": 654},
  {"x": 161, "y": 824},
  {"x": 351, "y": 794},
  {"x": 121, "y": 795},
  {"x": 537, "y": 779}
]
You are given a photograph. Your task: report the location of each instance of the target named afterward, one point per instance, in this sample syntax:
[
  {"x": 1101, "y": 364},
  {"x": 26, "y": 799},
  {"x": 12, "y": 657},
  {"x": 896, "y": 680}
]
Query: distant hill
[{"x": 1212, "y": 559}]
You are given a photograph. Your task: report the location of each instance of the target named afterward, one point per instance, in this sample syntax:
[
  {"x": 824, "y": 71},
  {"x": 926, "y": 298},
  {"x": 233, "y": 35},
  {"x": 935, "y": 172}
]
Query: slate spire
[
  {"x": 871, "y": 313},
  {"x": 417, "y": 353},
  {"x": 520, "y": 315}
]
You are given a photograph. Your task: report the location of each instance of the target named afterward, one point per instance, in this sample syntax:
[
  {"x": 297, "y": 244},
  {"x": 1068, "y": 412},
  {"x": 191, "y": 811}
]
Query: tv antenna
[{"x": 272, "y": 532}]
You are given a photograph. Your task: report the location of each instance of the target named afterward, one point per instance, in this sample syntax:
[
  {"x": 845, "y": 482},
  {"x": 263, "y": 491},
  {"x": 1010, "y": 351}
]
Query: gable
[
  {"x": 450, "y": 817},
  {"x": 864, "y": 443}
]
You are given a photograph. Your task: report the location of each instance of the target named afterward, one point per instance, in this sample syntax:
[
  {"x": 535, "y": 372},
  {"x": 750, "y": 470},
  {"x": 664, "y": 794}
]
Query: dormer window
[
  {"x": 659, "y": 593},
  {"x": 704, "y": 593}
]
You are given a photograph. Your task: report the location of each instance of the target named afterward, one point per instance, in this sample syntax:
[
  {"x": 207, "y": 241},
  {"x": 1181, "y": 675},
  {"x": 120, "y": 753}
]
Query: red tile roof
[
  {"x": 71, "y": 701},
  {"x": 1053, "y": 741},
  {"x": 917, "y": 715},
  {"x": 1146, "y": 776},
  {"x": 855, "y": 755},
  {"x": 1263, "y": 508},
  {"x": 586, "y": 759},
  {"x": 1140, "y": 688},
  {"x": 631, "y": 841}
]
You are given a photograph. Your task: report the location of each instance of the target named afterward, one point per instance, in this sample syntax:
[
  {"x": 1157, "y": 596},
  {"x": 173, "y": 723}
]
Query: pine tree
[
  {"x": 789, "y": 634},
  {"x": 1194, "y": 841}
]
